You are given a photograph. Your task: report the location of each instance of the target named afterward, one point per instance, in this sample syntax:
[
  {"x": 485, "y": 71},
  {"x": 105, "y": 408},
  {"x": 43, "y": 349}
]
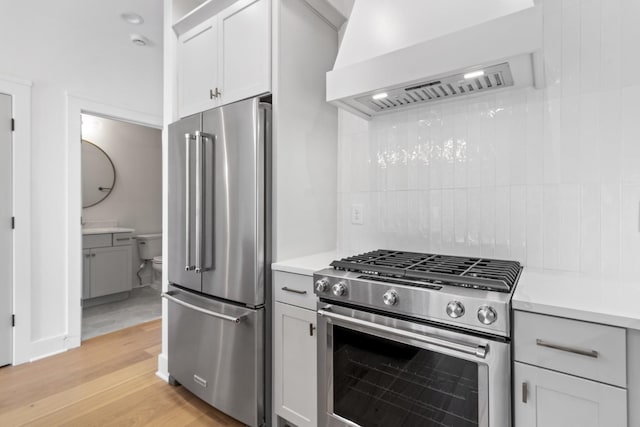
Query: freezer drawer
[{"x": 216, "y": 352}]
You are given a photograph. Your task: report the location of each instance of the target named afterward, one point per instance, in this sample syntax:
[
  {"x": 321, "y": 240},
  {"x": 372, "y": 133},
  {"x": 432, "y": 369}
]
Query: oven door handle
[{"x": 479, "y": 351}]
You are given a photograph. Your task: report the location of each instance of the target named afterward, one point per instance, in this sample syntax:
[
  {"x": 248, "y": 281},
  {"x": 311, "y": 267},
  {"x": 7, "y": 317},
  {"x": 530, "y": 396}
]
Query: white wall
[
  {"x": 547, "y": 177},
  {"x": 82, "y": 48},
  {"x": 136, "y": 199}
]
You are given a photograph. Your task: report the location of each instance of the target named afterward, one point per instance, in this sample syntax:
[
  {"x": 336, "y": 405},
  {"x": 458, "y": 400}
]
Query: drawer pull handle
[
  {"x": 588, "y": 353},
  {"x": 122, "y": 239},
  {"x": 171, "y": 298},
  {"x": 524, "y": 392},
  {"x": 295, "y": 291}
]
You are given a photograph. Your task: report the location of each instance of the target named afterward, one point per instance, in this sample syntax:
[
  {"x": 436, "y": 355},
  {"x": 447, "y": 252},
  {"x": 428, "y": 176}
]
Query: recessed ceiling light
[
  {"x": 138, "y": 40},
  {"x": 132, "y": 18},
  {"x": 474, "y": 74},
  {"x": 381, "y": 95}
]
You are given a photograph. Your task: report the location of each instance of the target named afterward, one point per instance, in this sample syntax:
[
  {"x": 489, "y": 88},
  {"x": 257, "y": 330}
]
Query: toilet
[{"x": 150, "y": 250}]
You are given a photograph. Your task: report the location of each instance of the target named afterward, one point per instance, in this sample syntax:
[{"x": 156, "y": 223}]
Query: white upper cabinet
[
  {"x": 245, "y": 40},
  {"x": 225, "y": 58},
  {"x": 198, "y": 68}
]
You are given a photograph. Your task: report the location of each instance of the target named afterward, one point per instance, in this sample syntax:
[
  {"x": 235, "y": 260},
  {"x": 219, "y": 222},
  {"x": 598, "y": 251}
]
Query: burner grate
[{"x": 480, "y": 273}]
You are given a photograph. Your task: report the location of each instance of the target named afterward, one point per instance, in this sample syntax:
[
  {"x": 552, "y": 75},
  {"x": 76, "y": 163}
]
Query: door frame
[
  {"x": 76, "y": 106},
  {"x": 20, "y": 92}
]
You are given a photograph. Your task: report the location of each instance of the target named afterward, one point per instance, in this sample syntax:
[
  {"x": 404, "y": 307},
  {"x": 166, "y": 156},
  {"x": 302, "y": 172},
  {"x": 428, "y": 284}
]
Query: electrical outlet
[{"x": 357, "y": 214}]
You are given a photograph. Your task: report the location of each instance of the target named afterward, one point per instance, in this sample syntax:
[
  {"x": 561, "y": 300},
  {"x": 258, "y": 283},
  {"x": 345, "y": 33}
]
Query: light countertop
[
  {"x": 306, "y": 265},
  {"x": 106, "y": 230},
  {"x": 598, "y": 299}
]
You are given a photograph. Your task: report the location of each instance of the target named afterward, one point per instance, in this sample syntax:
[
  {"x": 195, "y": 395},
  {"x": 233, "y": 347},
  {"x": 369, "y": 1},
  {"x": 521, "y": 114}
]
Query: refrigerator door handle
[
  {"x": 201, "y": 137},
  {"x": 169, "y": 296},
  {"x": 187, "y": 139}
]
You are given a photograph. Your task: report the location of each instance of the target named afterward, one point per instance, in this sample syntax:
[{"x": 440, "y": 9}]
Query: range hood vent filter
[{"x": 494, "y": 77}]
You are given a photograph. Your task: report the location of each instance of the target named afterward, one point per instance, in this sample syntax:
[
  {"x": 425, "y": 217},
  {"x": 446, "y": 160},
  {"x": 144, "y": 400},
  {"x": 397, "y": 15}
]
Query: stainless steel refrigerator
[{"x": 218, "y": 258}]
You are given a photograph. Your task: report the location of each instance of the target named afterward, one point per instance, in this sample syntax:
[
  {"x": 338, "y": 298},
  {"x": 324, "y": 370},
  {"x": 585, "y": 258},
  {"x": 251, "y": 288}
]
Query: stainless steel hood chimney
[{"x": 497, "y": 53}]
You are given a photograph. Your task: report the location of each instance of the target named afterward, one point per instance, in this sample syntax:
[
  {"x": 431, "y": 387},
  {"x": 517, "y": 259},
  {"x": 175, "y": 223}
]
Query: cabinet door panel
[
  {"x": 295, "y": 375},
  {"x": 198, "y": 68},
  {"x": 110, "y": 270},
  {"x": 86, "y": 274},
  {"x": 245, "y": 40},
  {"x": 554, "y": 399}
]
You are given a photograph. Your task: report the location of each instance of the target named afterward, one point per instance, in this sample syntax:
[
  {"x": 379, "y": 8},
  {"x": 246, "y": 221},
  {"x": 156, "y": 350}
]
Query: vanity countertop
[
  {"x": 106, "y": 230},
  {"x": 306, "y": 265},
  {"x": 602, "y": 299}
]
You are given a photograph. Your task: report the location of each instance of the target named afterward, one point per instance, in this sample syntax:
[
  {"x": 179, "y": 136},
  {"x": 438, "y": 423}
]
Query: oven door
[{"x": 375, "y": 370}]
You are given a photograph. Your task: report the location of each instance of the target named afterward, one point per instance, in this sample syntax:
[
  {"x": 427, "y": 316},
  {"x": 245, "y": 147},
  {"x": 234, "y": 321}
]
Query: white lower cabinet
[
  {"x": 106, "y": 269},
  {"x": 295, "y": 377},
  {"x": 552, "y": 399}
]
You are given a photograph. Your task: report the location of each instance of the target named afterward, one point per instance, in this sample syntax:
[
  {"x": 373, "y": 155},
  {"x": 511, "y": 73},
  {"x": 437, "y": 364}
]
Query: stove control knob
[
  {"x": 390, "y": 297},
  {"x": 487, "y": 315},
  {"x": 455, "y": 309},
  {"x": 322, "y": 285},
  {"x": 339, "y": 289}
]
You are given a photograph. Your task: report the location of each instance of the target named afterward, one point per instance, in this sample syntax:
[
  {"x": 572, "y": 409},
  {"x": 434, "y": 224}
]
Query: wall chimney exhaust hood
[{"x": 499, "y": 53}]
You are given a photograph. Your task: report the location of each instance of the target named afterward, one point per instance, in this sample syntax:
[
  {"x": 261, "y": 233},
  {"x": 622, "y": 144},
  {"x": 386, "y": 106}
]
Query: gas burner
[{"x": 467, "y": 272}]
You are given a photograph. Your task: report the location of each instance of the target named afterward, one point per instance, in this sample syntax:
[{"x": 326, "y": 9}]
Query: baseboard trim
[{"x": 163, "y": 367}]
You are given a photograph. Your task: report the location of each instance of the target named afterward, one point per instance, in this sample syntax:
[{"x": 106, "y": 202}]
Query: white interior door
[{"x": 6, "y": 234}]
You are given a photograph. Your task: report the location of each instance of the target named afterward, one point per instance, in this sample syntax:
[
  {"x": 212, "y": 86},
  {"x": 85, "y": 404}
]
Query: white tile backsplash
[{"x": 548, "y": 177}]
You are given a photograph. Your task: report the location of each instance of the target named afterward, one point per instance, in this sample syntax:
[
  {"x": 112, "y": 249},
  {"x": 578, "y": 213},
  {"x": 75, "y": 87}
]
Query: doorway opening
[{"x": 121, "y": 224}]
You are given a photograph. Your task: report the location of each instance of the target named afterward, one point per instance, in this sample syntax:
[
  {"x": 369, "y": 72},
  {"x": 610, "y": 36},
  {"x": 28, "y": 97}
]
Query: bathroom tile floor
[{"x": 143, "y": 305}]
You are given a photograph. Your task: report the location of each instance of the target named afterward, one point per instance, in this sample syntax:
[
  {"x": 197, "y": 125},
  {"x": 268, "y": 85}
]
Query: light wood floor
[{"x": 108, "y": 381}]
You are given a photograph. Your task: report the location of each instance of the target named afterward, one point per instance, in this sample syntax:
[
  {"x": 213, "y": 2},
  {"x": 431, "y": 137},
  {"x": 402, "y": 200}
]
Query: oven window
[{"x": 379, "y": 382}]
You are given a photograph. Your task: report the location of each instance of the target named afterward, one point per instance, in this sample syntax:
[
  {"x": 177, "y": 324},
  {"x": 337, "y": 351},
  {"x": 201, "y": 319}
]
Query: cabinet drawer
[
  {"x": 121, "y": 239},
  {"x": 584, "y": 349},
  {"x": 96, "y": 240},
  {"x": 294, "y": 289}
]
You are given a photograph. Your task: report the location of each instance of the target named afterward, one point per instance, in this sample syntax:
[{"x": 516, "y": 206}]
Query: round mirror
[{"x": 98, "y": 174}]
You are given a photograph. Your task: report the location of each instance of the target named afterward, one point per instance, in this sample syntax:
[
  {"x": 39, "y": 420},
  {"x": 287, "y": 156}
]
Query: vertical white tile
[
  {"x": 448, "y": 221},
  {"x": 569, "y": 141},
  {"x": 552, "y": 225},
  {"x": 460, "y": 223},
  {"x": 460, "y": 121},
  {"x": 571, "y": 50},
  {"x": 435, "y": 219},
  {"x": 518, "y": 224},
  {"x": 502, "y": 221},
  {"x": 552, "y": 46},
  {"x": 474, "y": 221},
  {"x": 610, "y": 228},
  {"x": 611, "y": 46},
  {"x": 569, "y": 256},
  {"x": 590, "y": 229},
  {"x": 630, "y": 36},
  {"x": 424, "y": 164},
  {"x": 396, "y": 154},
  {"x": 610, "y": 136},
  {"x": 517, "y": 138},
  {"x": 534, "y": 140},
  {"x": 413, "y": 150},
  {"x": 631, "y": 135},
  {"x": 474, "y": 135},
  {"x": 630, "y": 231},
  {"x": 448, "y": 144},
  {"x": 487, "y": 141},
  {"x": 397, "y": 207},
  {"x": 590, "y": 44},
  {"x": 589, "y": 146},
  {"x": 436, "y": 149},
  {"x": 552, "y": 141},
  {"x": 502, "y": 119},
  {"x": 488, "y": 224},
  {"x": 535, "y": 226},
  {"x": 424, "y": 219}
]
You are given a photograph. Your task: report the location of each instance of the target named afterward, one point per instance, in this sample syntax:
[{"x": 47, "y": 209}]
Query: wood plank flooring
[{"x": 109, "y": 381}]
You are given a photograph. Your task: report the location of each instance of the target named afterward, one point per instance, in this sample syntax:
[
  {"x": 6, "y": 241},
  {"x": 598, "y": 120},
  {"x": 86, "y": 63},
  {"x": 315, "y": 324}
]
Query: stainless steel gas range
[{"x": 413, "y": 339}]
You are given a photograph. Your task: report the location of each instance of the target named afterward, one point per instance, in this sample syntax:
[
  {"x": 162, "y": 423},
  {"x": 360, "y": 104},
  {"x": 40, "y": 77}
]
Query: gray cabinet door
[
  {"x": 552, "y": 399},
  {"x": 86, "y": 273},
  {"x": 295, "y": 368},
  {"x": 182, "y": 238},
  {"x": 110, "y": 270}
]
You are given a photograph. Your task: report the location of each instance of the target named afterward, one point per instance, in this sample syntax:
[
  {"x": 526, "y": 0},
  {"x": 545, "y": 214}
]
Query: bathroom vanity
[{"x": 106, "y": 265}]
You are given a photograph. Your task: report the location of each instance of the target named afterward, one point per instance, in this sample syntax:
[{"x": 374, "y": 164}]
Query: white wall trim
[
  {"x": 20, "y": 91},
  {"x": 77, "y": 105}
]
